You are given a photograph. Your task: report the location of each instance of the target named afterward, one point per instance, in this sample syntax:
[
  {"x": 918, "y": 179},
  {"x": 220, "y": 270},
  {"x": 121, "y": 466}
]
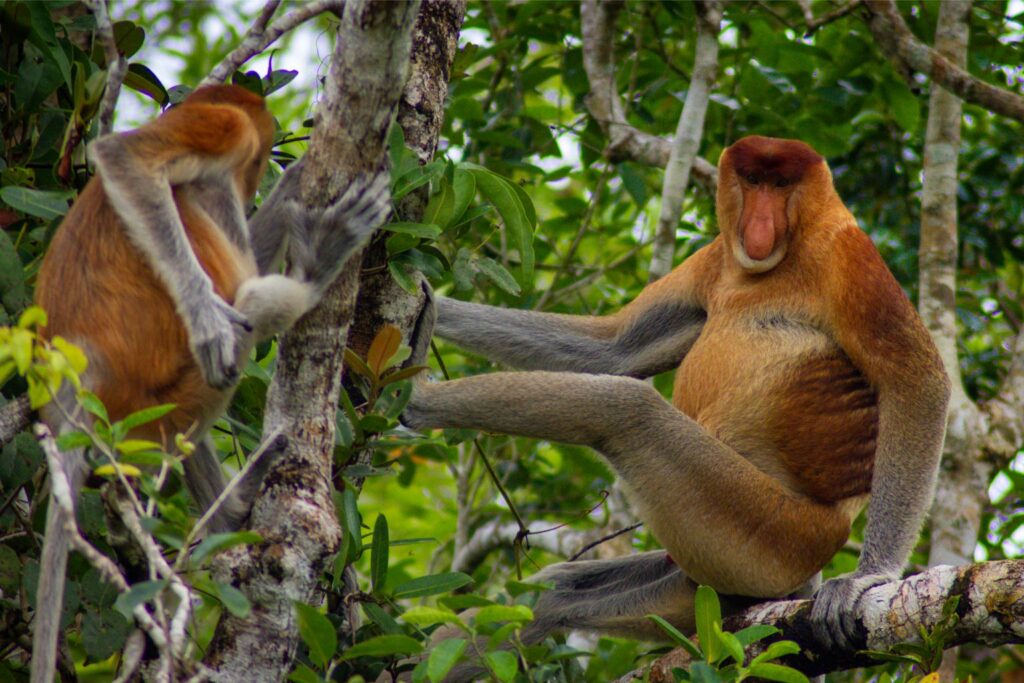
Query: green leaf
[
  {"x": 708, "y": 612},
  {"x": 352, "y": 520},
  {"x": 752, "y": 634},
  {"x": 138, "y": 594},
  {"x": 141, "y": 79},
  {"x": 777, "y": 649},
  {"x": 463, "y": 190},
  {"x": 71, "y": 440},
  {"x": 904, "y": 105},
  {"x": 502, "y": 194},
  {"x": 441, "y": 207},
  {"x": 402, "y": 277},
  {"x": 426, "y": 230},
  {"x": 677, "y": 636},
  {"x": 634, "y": 183},
  {"x": 384, "y": 646},
  {"x": 45, "y": 204},
  {"x": 317, "y": 633},
  {"x": 702, "y": 672},
  {"x": 432, "y": 585},
  {"x": 146, "y": 415},
  {"x": 302, "y": 673},
  {"x": 428, "y": 616},
  {"x": 215, "y": 543},
  {"x": 444, "y": 657},
  {"x": 731, "y": 643},
  {"x": 497, "y": 274},
  {"x": 10, "y": 570},
  {"x": 777, "y": 672},
  {"x": 128, "y": 37},
  {"x": 92, "y": 403},
  {"x": 104, "y": 633},
  {"x": 497, "y": 613},
  {"x": 503, "y": 664},
  {"x": 379, "y": 554},
  {"x": 385, "y": 621},
  {"x": 359, "y": 366},
  {"x": 233, "y": 600}
]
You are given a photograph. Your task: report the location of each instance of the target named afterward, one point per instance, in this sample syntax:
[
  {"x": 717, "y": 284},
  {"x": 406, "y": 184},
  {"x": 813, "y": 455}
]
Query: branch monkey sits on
[
  {"x": 806, "y": 385},
  {"x": 156, "y": 273}
]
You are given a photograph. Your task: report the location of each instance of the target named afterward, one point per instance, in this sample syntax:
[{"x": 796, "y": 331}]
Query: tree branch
[
  {"x": 258, "y": 38},
  {"x": 688, "y": 136},
  {"x": 14, "y": 417},
  {"x": 295, "y": 511},
  {"x": 624, "y": 140},
  {"x": 906, "y": 52},
  {"x": 990, "y": 611},
  {"x": 117, "y": 65}
]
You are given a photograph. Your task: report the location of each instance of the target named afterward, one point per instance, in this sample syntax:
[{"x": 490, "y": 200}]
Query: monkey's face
[{"x": 759, "y": 183}]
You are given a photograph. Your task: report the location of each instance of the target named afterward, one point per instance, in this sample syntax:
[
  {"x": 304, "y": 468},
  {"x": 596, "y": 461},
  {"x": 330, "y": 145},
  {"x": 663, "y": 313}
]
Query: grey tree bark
[
  {"x": 990, "y": 610},
  {"x": 686, "y": 142},
  {"x": 295, "y": 513}
]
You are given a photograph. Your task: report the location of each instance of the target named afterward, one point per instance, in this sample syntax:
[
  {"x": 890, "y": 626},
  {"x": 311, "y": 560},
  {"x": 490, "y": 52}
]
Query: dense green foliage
[{"x": 526, "y": 212}]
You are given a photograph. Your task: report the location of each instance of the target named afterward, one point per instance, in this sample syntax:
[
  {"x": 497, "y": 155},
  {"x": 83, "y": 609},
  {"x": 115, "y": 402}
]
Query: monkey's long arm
[
  {"x": 650, "y": 335},
  {"x": 878, "y": 328},
  {"x": 138, "y": 170}
]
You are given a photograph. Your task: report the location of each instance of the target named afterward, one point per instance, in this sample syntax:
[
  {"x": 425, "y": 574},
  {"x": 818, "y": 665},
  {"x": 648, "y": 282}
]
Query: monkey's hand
[
  {"x": 324, "y": 237},
  {"x": 213, "y": 328},
  {"x": 835, "y": 616}
]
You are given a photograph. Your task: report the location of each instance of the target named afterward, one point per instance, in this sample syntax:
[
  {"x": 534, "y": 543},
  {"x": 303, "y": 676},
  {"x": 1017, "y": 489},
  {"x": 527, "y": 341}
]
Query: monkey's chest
[{"x": 788, "y": 399}]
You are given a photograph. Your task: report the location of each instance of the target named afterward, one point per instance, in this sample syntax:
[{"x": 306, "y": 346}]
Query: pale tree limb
[
  {"x": 295, "y": 512},
  {"x": 960, "y": 491},
  {"x": 62, "y": 496},
  {"x": 624, "y": 140},
  {"x": 260, "y": 36},
  {"x": 990, "y": 611},
  {"x": 686, "y": 142},
  {"x": 907, "y": 53},
  {"x": 117, "y": 65},
  {"x": 15, "y": 416}
]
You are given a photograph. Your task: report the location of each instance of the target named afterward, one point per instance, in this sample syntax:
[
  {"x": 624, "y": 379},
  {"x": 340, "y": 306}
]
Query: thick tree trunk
[{"x": 295, "y": 513}]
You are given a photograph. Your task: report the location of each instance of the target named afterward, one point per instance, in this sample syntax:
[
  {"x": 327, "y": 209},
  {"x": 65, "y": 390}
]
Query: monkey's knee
[{"x": 273, "y": 303}]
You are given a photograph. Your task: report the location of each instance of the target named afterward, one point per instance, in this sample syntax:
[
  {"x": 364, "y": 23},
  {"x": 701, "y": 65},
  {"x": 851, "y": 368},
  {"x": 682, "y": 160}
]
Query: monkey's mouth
[{"x": 760, "y": 254}]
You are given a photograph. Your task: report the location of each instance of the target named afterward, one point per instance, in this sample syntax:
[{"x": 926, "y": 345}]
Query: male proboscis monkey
[
  {"x": 805, "y": 385},
  {"x": 156, "y": 273}
]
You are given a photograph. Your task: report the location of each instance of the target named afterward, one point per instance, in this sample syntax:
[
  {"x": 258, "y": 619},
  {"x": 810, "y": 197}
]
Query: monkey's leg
[{"x": 724, "y": 522}]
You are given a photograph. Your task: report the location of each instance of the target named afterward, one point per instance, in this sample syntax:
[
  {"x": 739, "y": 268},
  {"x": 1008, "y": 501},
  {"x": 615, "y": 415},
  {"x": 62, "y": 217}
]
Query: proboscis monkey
[
  {"x": 806, "y": 386},
  {"x": 156, "y": 273}
]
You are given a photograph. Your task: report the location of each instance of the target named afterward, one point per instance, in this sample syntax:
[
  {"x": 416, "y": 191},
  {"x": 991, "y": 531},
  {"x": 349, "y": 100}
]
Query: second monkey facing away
[
  {"x": 157, "y": 274},
  {"x": 806, "y": 387}
]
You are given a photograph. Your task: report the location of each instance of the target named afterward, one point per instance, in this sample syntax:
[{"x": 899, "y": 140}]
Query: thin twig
[
  {"x": 827, "y": 18},
  {"x": 117, "y": 65},
  {"x": 260, "y": 36},
  {"x": 615, "y": 534}
]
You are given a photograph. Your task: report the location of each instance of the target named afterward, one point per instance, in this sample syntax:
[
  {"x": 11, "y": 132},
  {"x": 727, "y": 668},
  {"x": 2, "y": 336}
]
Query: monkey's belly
[{"x": 792, "y": 404}]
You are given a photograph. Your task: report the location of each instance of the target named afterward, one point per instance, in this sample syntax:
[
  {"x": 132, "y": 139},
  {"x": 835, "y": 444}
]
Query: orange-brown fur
[{"x": 98, "y": 291}]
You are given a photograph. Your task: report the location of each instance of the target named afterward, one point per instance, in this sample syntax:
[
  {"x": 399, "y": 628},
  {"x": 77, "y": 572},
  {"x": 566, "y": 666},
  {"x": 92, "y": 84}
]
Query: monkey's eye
[
  {"x": 781, "y": 182},
  {"x": 752, "y": 179}
]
